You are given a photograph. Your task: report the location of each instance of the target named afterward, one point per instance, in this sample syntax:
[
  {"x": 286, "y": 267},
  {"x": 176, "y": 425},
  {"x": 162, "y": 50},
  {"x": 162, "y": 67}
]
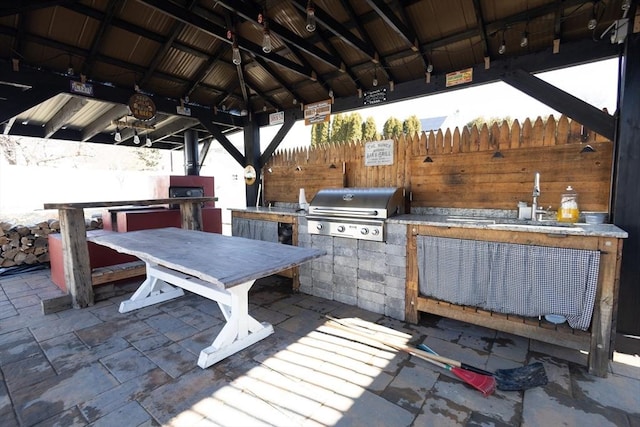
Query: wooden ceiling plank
[
  {"x": 168, "y": 44},
  {"x": 177, "y": 12},
  {"x": 62, "y": 116},
  {"x": 392, "y": 20},
  {"x": 99, "y": 37},
  {"x": 248, "y": 12},
  {"x": 265, "y": 66},
  {"x": 337, "y": 28},
  {"x": 25, "y": 6}
]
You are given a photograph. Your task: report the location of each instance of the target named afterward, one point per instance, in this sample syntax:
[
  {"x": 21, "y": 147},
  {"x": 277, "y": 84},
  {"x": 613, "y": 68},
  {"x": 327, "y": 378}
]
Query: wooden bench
[
  {"x": 99, "y": 276},
  {"x": 117, "y": 272}
]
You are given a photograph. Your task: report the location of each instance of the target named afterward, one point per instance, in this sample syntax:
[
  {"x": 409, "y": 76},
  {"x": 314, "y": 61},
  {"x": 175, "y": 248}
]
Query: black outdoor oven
[{"x": 356, "y": 213}]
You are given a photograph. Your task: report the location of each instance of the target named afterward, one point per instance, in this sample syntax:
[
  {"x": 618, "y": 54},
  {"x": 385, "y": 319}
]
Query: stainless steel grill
[{"x": 357, "y": 213}]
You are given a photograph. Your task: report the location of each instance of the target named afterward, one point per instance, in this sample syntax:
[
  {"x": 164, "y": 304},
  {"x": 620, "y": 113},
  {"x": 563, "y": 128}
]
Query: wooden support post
[
  {"x": 191, "y": 214},
  {"x": 77, "y": 269}
]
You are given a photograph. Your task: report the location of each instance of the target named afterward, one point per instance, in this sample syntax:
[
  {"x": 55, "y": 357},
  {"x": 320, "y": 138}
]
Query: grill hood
[{"x": 366, "y": 203}]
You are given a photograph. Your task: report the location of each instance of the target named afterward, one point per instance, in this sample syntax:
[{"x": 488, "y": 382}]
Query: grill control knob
[
  {"x": 364, "y": 231},
  {"x": 375, "y": 232},
  {"x": 340, "y": 228},
  {"x": 319, "y": 226}
]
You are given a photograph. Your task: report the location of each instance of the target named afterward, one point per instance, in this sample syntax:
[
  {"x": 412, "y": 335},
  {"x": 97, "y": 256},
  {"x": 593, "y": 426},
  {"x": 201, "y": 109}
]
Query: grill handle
[{"x": 349, "y": 212}]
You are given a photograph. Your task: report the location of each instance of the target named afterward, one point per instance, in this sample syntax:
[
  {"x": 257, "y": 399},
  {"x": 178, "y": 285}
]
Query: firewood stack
[{"x": 20, "y": 244}]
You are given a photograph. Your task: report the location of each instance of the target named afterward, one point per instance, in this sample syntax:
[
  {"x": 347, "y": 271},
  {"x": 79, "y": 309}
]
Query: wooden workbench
[
  {"x": 77, "y": 270},
  {"x": 221, "y": 268}
]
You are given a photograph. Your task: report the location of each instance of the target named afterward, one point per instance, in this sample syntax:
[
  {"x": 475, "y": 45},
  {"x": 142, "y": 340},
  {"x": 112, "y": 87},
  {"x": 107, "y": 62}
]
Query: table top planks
[
  {"x": 225, "y": 261},
  {"x": 149, "y": 202}
]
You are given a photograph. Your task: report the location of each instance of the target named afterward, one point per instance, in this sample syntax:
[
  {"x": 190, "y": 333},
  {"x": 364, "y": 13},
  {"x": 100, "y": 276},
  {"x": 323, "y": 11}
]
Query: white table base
[{"x": 241, "y": 329}]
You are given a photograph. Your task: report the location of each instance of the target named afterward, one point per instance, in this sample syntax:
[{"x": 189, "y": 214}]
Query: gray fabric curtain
[
  {"x": 255, "y": 229},
  {"x": 509, "y": 278}
]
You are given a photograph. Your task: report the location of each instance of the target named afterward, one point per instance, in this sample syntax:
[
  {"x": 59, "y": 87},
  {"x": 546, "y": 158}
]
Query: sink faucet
[{"x": 535, "y": 194}]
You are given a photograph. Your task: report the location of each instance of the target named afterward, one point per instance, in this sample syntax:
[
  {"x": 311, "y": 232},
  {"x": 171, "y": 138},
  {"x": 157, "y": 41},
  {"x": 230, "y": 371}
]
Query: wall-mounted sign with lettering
[
  {"x": 459, "y": 77},
  {"x": 374, "y": 96},
  {"x": 276, "y": 118},
  {"x": 82, "y": 88},
  {"x": 142, "y": 107},
  {"x": 378, "y": 153},
  {"x": 318, "y": 112}
]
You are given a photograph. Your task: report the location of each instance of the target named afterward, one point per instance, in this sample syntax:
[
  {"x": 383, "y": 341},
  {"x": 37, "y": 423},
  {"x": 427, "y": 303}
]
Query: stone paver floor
[{"x": 98, "y": 367}]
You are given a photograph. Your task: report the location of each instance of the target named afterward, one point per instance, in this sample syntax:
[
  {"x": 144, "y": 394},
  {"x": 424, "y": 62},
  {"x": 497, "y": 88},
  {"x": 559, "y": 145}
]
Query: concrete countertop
[{"x": 510, "y": 224}]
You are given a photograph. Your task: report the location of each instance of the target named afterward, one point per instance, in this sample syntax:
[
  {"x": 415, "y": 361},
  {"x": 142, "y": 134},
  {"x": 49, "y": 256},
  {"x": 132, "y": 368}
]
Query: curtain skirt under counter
[{"x": 510, "y": 278}]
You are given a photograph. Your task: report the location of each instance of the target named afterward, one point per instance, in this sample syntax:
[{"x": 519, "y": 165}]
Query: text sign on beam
[
  {"x": 317, "y": 112},
  {"x": 276, "y": 118},
  {"x": 378, "y": 153},
  {"x": 459, "y": 77}
]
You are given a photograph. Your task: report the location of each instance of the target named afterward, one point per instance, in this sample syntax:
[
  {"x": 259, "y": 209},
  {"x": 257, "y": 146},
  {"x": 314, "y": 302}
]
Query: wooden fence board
[{"x": 464, "y": 171}]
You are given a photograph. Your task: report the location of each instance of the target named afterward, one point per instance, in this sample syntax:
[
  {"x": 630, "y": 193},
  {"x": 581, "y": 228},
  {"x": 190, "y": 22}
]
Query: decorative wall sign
[
  {"x": 374, "y": 96},
  {"x": 142, "y": 107},
  {"x": 249, "y": 175},
  {"x": 378, "y": 153},
  {"x": 82, "y": 88},
  {"x": 460, "y": 77},
  {"x": 276, "y": 118},
  {"x": 318, "y": 112}
]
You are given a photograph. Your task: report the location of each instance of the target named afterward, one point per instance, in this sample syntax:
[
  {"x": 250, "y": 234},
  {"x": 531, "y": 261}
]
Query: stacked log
[{"x": 29, "y": 244}]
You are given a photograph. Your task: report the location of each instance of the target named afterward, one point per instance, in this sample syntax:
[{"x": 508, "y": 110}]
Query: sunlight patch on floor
[{"x": 313, "y": 381}]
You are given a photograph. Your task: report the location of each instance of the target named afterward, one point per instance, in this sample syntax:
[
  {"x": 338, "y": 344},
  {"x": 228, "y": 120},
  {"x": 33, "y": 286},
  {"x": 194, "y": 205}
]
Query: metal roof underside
[{"x": 179, "y": 53}]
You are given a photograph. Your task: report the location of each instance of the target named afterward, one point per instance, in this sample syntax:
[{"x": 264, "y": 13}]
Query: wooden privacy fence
[{"x": 486, "y": 167}]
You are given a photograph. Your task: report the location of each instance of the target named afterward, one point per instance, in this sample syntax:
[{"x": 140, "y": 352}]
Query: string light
[
  {"x": 136, "y": 138},
  {"x": 375, "y": 77},
  {"x": 311, "y": 17},
  {"x": 235, "y": 57},
  {"x": 593, "y": 22},
  {"x": 148, "y": 142},
  {"x": 266, "y": 40},
  {"x": 524, "y": 41},
  {"x": 118, "y": 136},
  {"x": 503, "y": 47}
]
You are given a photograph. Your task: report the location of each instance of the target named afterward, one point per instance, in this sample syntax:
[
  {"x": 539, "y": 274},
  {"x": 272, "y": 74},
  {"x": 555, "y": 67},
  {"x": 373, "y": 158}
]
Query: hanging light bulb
[
  {"x": 148, "y": 142},
  {"x": 118, "y": 136},
  {"x": 311, "y": 17},
  {"x": 503, "y": 47},
  {"x": 266, "y": 40},
  {"x": 593, "y": 22},
  {"x": 375, "y": 77},
  {"x": 430, "y": 68},
  {"x": 136, "y": 138},
  {"x": 235, "y": 56},
  {"x": 524, "y": 41}
]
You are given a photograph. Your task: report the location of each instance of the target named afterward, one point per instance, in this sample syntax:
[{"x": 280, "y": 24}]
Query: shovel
[
  {"x": 486, "y": 384},
  {"x": 515, "y": 379}
]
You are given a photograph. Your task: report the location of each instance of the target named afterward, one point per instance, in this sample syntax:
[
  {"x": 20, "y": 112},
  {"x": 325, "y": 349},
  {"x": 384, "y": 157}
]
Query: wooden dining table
[{"x": 221, "y": 268}]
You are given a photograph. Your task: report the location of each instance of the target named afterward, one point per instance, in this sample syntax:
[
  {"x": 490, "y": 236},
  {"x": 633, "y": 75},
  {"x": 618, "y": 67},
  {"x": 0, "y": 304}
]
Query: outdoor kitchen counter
[
  {"x": 510, "y": 224},
  {"x": 602, "y": 240}
]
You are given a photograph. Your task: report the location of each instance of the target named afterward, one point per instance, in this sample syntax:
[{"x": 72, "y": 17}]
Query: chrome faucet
[{"x": 535, "y": 194}]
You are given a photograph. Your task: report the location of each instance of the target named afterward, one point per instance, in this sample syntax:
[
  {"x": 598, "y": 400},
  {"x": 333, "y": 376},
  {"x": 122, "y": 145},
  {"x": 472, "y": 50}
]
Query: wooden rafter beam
[
  {"x": 392, "y": 20},
  {"x": 336, "y": 28},
  {"x": 177, "y": 12},
  {"x": 250, "y": 13},
  {"x": 62, "y": 116},
  {"x": 105, "y": 23},
  {"x": 25, "y": 6}
]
